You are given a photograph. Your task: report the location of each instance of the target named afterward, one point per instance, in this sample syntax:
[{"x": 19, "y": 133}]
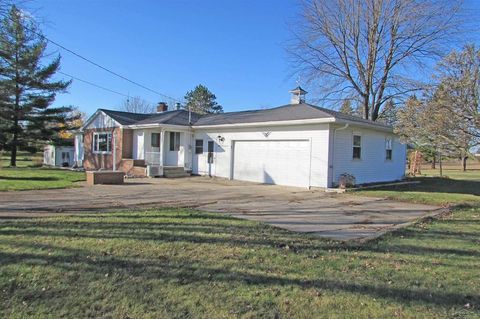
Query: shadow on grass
[
  {"x": 30, "y": 178},
  {"x": 435, "y": 185},
  {"x": 185, "y": 273},
  {"x": 198, "y": 228}
]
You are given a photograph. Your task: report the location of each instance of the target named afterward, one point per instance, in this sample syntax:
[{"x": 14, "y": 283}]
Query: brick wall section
[
  {"x": 94, "y": 178},
  {"x": 94, "y": 161},
  {"x": 127, "y": 151}
]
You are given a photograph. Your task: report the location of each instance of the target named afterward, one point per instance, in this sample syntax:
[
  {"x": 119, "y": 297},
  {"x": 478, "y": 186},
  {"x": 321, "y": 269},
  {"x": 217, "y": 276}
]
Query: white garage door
[{"x": 285, "y": 162}]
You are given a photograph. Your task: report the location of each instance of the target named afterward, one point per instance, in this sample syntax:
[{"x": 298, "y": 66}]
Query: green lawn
[
  {"x": 459, "y": 188},
  {"x": 186, "y": 264},
  {"x": 178, "y": 263},
  {"x": 24, "y": 159},
  {"x": 37, "y": 178},
  {"x": 27, "y": 175}
]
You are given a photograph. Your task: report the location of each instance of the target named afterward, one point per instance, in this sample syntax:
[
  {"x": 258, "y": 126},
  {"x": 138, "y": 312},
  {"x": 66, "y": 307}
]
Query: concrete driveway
[{"x": 336, "y": 216}]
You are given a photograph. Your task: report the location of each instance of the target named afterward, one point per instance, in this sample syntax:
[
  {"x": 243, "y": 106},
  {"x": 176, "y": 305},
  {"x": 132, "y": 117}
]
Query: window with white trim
[
  {"x": 388, "y": 148},
  {"x": 102, "y": 142},
  {"x": 198, "y": 146},
  {"x": 357, "y": 147}
]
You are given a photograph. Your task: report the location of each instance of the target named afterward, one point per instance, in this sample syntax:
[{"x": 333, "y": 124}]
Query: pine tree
[
  {"x": 202, "y": 101},
  {"x": 346, "y": 107},
  {"x": 388, "y": 114},
  {"x": 27, "y": 86}
]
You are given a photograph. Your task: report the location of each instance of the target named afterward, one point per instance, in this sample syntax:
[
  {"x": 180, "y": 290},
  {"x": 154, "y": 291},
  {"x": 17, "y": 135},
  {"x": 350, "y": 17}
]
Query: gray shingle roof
[
  {"x": 281, "y": 113},
  {"x": 177, "y": 117},
  {"x": 125, "y": 118},
  {"x": 289, "y": 112}
]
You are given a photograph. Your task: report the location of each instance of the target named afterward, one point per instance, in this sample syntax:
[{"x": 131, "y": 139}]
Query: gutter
[
  {"x": 269, "y": 123},
  {"x": 333, "y": 150}
]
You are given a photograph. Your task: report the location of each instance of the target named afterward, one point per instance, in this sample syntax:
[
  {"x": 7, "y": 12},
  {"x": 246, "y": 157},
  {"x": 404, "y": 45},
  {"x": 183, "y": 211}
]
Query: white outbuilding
[{"x": 59, "y": 156}]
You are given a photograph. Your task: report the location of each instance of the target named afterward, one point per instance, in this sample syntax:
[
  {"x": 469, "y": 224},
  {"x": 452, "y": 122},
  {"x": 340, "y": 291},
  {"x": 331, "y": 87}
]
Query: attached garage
[{"x": 282, "y": 162}]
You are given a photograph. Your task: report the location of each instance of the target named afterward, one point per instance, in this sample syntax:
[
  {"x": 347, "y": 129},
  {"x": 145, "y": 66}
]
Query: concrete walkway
[{"x": 336, "y": 216}]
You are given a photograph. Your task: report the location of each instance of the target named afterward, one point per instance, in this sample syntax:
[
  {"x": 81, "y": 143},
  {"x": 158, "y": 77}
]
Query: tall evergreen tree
[
  {"x": 388, "y": 114},
  {"x": 27, "y": 85},
  {"x": 202, "y": 101},
  {"x": 346, "y": 107}
]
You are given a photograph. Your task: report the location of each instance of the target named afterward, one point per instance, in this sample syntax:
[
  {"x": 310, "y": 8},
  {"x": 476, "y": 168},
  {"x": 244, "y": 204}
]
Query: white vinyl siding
[{"x": 372, "y": 167}]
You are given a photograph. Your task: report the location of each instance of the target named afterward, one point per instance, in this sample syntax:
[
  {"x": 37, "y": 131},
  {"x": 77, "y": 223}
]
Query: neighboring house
[
  {"x": 296, "y": 144},
  {"x": 60, "y": 156}
]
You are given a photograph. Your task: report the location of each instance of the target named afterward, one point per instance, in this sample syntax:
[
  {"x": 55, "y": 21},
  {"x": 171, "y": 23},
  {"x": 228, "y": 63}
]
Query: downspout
[
  {"x": 114, "y": 151},
  {"x": 333, "y": 148}
]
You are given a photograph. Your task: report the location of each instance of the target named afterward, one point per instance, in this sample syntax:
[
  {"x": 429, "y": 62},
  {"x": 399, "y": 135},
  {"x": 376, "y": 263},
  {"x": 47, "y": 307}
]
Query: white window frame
[
  {"x": 96, "y": 143},
  {"x": 197, "y": 147},
  {"x": 388, "y": 147},
  {"x": 357, "y": 146}
]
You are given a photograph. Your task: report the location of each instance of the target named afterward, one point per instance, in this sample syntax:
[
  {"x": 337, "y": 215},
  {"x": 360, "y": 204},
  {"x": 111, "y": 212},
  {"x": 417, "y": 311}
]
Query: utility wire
[
  {"x": 93, "y": 63},
  {"x": 93, "y": 84}
]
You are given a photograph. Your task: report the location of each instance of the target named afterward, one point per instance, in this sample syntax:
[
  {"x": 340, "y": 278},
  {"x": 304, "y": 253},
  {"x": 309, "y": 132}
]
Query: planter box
[{"x": 105, "y": 177}]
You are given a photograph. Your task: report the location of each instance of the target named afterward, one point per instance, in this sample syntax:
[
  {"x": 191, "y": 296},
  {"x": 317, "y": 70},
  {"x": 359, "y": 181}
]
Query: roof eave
[
  {"x": 368, "y": 125},
  {"x": 161, "y": 125},
  {"x": 269, "y": 123}
]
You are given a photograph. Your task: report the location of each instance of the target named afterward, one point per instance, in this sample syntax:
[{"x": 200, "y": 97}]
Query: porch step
[{"x": 174, "y": 172}]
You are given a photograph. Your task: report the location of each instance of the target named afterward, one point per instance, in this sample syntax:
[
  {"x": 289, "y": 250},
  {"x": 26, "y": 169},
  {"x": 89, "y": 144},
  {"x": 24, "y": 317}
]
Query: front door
[
  {"x": 211, "y": 158},
  {"x": 172, "y": 153}
]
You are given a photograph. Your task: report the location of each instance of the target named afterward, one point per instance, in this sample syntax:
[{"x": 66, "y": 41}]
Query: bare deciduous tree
[
  {"x": 459, "y": 88},
  {"x": 137, "y": 105},
  {"x": 364, "y": 48}
]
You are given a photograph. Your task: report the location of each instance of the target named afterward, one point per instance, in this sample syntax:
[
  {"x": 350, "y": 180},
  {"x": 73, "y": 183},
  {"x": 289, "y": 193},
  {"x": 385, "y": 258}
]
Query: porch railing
[{"x": 152, "y": 158}]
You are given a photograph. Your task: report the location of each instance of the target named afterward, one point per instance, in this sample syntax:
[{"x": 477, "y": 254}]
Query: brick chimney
[{"x": 162, "y": 107}]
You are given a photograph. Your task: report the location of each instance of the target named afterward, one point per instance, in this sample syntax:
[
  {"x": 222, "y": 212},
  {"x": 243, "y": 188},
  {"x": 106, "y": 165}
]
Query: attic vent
[{"x": 298, "y": 95}]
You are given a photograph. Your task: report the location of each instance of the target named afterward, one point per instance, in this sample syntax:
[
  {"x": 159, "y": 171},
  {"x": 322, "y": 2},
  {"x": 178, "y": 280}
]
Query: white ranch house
[{"x": 298, "y": 144}]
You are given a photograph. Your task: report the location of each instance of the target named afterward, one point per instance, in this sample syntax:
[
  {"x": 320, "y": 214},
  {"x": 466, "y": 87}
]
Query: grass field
[
  {"x": 177, "y": 263},
  {"x": 186, "y": 264},
  {"x": 14, "y": 179},
  {"x": 459, "y": 188},
  {"x": 24, "y": 159},
  {"x": 27, "y": 175}
]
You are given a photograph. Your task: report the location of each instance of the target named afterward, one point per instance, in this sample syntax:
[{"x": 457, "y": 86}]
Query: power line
[
  {"x": 93, "y": 84},
  {"x": 94, "y": 63}
]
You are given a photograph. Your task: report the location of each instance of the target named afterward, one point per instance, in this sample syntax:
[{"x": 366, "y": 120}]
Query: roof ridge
[
  {"x": 345, "y": 116},
  {"x": 125, "y": 112}
]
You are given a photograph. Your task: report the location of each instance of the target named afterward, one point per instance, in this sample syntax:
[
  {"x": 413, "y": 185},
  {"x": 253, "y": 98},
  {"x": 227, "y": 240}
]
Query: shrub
[{"x": 346, "y": 180}]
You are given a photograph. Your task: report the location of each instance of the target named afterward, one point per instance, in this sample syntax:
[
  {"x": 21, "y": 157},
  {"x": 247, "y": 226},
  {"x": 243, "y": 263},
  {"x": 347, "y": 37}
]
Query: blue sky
[{"x": 235, "y": 48}]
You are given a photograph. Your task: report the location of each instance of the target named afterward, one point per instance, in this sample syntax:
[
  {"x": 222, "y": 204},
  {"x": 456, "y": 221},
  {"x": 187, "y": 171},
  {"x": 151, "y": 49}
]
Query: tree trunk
[
  {"x": 13, "y": 150},
  {"x": 464, "y": 163},
  {"x": 13, "y": 155},
  {"x": 434, "y": 162},
  {"x": 440, "y": 164},
  {"x": 366, "y": 108}
]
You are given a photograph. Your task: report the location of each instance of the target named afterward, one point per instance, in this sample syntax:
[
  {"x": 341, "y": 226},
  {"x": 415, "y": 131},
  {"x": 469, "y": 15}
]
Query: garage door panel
[{"x": 284, "y": 162}]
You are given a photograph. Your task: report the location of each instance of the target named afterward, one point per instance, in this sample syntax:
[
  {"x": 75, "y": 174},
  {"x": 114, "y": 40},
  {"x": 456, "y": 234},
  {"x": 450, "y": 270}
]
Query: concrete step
[
  {"x": 175, "y": 175},
  {"x": 173, "y": 169}
]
